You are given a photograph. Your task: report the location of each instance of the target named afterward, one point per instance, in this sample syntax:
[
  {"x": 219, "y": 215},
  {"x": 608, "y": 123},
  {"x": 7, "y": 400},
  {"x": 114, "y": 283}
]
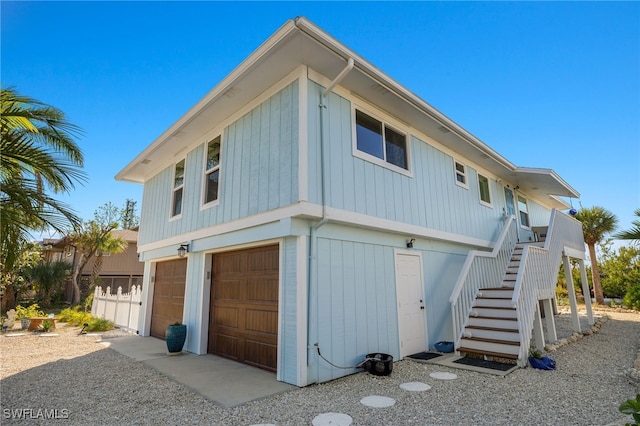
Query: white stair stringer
[{"x": 492, "y": 326}]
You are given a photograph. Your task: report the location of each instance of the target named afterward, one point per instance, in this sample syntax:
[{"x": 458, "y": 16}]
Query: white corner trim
[
  {"x": 302, "y": 311},
  {"x": 303, "y": 135}
]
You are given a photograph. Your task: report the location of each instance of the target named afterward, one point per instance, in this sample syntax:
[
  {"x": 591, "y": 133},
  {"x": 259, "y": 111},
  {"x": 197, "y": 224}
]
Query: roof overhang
[
  {"x": 300, "y": 42},
  {"x": 543, "y": 184}
]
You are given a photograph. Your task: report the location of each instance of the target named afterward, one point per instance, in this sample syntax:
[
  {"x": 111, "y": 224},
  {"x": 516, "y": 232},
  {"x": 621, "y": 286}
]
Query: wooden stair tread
[
  {"x": 502, "y": 308},
  {"x": 494, "y": 318},
  {"x": 481, "y": 327},
  {"x": 483, "y": 339},
  {"x": 487, "y": 353}
]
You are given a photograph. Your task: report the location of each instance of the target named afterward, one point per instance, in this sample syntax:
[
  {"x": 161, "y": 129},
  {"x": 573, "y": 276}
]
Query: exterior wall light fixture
[
  {"x": 410, "y": 243},
  {"x": 183, "y": 250}
]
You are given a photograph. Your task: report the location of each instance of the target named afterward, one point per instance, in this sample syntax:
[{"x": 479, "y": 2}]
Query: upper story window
[
  {"x": 212, "y": 171},
  {"x": 178, "y": 187},
  {"x": 485, "y": 193},
  {"x": 524, "y": 211},
  {"x": 461, "y": 174},
  {"x": 376, "y": 138}
]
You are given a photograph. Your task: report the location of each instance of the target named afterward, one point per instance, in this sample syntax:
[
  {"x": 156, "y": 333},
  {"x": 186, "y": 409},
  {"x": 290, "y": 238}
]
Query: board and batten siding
[
  {"x": 429, "y": 198},
  {"x": 259, "y": 172},
  {"x": 354, "y": 303}
]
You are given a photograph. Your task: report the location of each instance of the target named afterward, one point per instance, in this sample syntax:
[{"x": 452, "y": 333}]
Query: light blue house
[{"x": 318, "y": 204}]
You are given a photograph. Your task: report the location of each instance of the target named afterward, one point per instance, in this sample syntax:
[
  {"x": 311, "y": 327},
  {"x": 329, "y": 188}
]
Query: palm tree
[
  {"x": 108, "y": 245},
  {"x": 37, "y": 154},
  {"x": 93, "y": 238},
  {"x": 596, "y": 222},
  {"x": 633, "y": 233},
  {"x": 49, "y": 276}
]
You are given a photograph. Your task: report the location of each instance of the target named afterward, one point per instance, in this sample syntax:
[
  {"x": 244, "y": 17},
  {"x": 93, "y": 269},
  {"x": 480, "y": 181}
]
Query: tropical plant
[
  {"x": 93, "y": 238},
  {"x": 15, "y": 281},
  {"x": 48, "y": 277},
  {"x": 634, "y": 232},
  {"x": 38, "y": 155},
  {"x": 45, "y": 326},
  {"x": 631, "y": 407},
  {"x": 31, "y": 311},
  {"x": 74, "y": 317},
  {"x": 619, "y": 268},
  {"x": 632, "y": 298},
  {"x": 596, "y": 223}
]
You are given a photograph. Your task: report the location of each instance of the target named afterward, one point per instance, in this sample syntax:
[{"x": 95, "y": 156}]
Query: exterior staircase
[
  {"x": 492, "y": 327},
  {"x": 498, "y": 320}
]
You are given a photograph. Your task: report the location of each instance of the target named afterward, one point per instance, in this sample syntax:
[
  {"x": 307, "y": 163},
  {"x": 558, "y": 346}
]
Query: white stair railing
[
  {"x": 537, "y": 276},
  {"x": 481, "y": 269}
]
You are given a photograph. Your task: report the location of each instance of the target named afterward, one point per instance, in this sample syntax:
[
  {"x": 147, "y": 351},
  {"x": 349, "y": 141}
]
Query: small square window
[
  {"x": 485, "y": 193},
  {"x": 461, "y": 174}
]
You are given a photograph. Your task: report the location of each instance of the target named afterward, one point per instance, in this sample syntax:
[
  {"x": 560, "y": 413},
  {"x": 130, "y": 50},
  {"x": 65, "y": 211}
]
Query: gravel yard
[{"x": 82, "y": 382}]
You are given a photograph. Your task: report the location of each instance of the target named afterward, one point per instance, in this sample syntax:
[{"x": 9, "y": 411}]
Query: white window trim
[
  {"x": 386, "y": 122},
  {"x": 526, "y": 202},
  {"x": 464, "y": 185},
  {"x": 175, "y": 188},
  {"x": 484, "y": 203},
  {"x": 204, "y": 204}
]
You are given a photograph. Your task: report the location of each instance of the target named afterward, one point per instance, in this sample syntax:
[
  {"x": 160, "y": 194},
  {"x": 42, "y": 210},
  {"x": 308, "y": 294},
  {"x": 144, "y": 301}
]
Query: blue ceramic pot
[{"x": 175, "y": 337}]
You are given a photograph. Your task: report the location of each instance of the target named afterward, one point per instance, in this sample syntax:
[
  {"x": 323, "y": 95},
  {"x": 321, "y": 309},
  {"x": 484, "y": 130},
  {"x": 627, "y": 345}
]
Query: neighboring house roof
[
  {"x": 129, "y": 235},
  {"x": 298, "y": 42}
]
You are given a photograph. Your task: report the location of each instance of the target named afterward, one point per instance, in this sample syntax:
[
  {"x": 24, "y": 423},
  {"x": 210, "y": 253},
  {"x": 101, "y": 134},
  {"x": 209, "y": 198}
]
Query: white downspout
[{"x": 313, "y": 264}]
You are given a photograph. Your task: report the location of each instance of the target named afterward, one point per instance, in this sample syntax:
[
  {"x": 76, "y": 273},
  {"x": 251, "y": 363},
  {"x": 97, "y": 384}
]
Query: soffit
[{"x": 299, "y": 42}]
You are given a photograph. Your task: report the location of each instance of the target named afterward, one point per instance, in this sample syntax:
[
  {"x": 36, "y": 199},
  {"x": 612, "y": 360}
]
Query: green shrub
[
  {"x": 631, "y": 407},
  {"x": 75, "y": 317},
  {"x": 32, "y": 311},
  {"x": 99, "y": 324},
  {"x": 632, "y": 298},
  {"x": 46, "y": 326}
]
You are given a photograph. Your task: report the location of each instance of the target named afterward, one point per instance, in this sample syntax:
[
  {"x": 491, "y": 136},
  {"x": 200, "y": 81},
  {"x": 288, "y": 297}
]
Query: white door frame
[{"x": 416, "y": 309}]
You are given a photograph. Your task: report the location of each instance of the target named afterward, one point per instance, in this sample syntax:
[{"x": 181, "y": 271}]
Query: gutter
[
  {"x": 388, "y": 83},
  {"x": 312, "y": 281}
]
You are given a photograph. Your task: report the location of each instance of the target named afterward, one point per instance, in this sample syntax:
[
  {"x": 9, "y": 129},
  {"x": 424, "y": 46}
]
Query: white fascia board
[
  {"x": 245, "y": 66},
  {"x": 387, "y": 82},
  {"x": 551, "y": 173}
]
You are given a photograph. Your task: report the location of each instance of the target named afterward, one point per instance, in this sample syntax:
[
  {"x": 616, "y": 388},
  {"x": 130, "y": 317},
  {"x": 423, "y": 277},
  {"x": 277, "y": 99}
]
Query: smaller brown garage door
[
  {"x": 168, "y": 295},
  {"x": 243, "y": 320}
]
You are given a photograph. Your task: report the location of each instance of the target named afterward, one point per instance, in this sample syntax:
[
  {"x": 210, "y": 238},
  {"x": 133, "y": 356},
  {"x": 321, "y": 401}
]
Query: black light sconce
[
  {"x": 183, "y": 250},
  {"x": 410, "y": 243}
]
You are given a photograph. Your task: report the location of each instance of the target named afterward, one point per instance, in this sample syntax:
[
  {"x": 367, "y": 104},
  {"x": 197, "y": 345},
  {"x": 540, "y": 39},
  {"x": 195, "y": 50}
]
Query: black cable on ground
[{"x": 360, "y": 365}]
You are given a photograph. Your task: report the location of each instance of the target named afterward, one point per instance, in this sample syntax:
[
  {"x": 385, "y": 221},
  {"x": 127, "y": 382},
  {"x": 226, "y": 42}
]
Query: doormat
[
  {"x": 492, "y": 365},
  {"x": 424, "y": 356}
]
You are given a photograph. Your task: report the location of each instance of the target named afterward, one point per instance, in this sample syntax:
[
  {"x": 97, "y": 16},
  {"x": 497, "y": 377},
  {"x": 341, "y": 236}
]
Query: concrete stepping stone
[
  {"x": 415, "y": 386},
  {"x": 441, "y": 375},
  {"x": 16, "y": 334},
  {"x": 48, "y": 334},
  {"x": 376, "y": 401},
  {"x": 332, "y": 419}
]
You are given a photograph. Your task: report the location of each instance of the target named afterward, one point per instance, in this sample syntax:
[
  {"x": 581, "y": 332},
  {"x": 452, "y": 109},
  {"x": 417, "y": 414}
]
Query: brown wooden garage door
[
  {"x": 243, "y": 320},
  {"x": 168, "y": 295}
]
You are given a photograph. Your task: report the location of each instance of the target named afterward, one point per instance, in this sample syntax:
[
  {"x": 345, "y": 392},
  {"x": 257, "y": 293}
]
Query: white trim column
[
  {"x": 572, "y": 294},
  {"x": 586, "y": 291}
]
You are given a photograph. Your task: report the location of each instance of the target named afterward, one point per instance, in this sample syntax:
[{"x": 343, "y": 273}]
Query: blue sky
[{"x": 549, "y": 85}]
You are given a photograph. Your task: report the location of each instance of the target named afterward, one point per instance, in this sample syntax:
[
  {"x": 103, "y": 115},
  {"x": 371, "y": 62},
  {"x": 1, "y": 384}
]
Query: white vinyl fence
[{"x": 122, "y": 309}]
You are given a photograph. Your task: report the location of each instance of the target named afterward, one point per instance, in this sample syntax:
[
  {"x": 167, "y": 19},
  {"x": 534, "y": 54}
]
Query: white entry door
[{"x": 411, "y": 306}]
